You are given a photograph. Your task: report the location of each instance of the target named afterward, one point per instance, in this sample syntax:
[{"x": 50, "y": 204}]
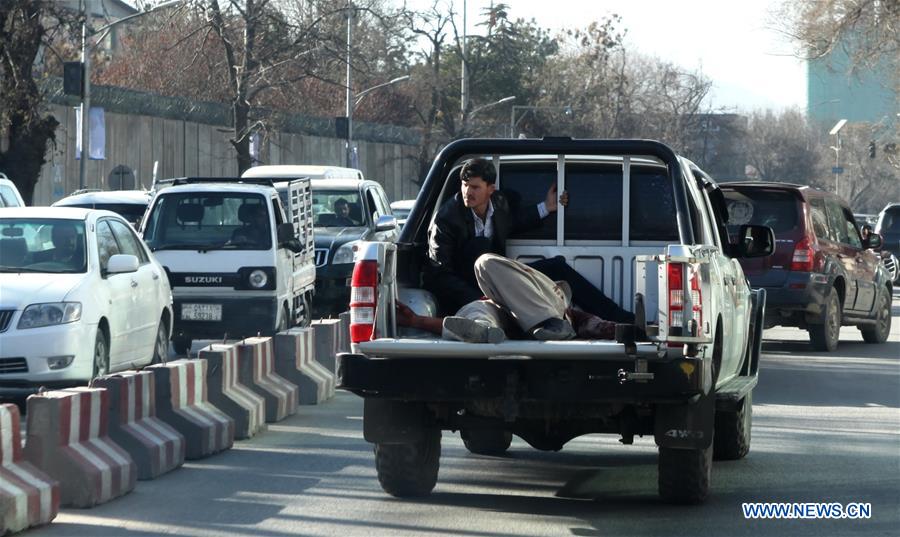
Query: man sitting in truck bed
[
  {"x": 518, "y": 301},
  {"x": 478, "y": 220}
]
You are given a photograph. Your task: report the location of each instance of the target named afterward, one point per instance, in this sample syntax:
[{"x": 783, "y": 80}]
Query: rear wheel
[
  {"x": 409, "y": 469},
  {"x": 824, "y": 337},
  {"x": 285, "y": 321},
  {"x": 486, "y": 441},
  {"x": 879, "y": 332},
  {"x": 684, "y": 474},
  {"x": 732, "y": 431}
]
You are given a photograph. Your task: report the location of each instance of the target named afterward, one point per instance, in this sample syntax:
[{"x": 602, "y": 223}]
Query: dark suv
[
  {"x": 888, "y": 226},
  {"x": 822, "y": 274}
]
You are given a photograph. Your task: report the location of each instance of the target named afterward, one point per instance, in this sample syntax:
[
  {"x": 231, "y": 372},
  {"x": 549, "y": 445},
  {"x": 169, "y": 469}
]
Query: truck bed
[{"x": 508, "y": 350}]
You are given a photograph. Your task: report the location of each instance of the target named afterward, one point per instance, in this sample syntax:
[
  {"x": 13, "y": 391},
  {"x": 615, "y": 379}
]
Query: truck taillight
[
  {"x": 676, "y": 296},
  {"x": 804, "y": 256},
  {"x": 363, "y": 298}
]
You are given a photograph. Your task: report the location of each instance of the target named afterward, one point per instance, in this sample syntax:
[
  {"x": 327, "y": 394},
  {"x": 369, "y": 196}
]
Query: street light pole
[
  {"x": 355, "y": 102},
  {"x": 349, "y": 107},
  {"x": 86, "y": 46},
  {"x": 836, "y": 132}
]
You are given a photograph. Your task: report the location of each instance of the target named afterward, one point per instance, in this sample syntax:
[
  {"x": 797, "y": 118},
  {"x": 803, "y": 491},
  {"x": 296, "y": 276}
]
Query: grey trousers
[{"x": 524, "y": 294}]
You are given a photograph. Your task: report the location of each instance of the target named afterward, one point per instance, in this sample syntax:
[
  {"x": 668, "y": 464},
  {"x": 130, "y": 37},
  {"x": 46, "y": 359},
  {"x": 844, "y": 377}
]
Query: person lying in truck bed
[
  {"x": 478, "y": 220},
  {"x": 518, "y": 301}
]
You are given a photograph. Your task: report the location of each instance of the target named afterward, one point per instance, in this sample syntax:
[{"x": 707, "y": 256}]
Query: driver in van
[
  {"x": 478, "y": 220},
  {"x": 518, "y": 301},
  {"x": 255, "y": 228}
]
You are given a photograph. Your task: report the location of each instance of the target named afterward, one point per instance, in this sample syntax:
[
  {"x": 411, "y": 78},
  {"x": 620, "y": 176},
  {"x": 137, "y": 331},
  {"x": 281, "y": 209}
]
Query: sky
[{"x": 732, "y": 42}]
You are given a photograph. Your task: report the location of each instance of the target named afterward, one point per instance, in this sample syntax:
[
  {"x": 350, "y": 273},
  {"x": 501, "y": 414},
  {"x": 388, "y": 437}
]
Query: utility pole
[
  {"x": 349, "y": 109},
  {"x": 464, "y": 90}
]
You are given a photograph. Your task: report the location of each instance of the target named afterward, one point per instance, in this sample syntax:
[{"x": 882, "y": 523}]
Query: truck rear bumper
[{"x": 672, "y": 380}]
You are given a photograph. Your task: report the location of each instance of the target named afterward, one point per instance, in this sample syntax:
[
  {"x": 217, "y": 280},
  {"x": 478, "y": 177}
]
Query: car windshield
[
  {"x": 337, "y": 208},
  {"x": 209, "y": 221},
  {"x": 401, "y": 214},
  {"x": 774, "y": 208},
  {"x": 47, "y": 245},
  {"x": 133, "y": 212}
]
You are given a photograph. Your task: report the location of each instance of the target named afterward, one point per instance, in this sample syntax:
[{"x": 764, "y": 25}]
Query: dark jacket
[{"x": 453, "y": 247}]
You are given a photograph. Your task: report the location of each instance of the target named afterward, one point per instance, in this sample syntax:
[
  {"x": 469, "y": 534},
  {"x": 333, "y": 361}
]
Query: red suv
[{"x": 823, "y": 274}]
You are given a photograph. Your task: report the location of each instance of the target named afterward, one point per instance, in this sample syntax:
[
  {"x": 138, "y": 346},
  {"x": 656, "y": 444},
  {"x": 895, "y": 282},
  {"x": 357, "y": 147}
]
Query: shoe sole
[{"x": 469, "y": 331}]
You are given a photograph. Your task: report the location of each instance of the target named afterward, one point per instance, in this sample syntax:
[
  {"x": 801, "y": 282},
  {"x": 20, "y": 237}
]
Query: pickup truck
[{"x": 644, "y": 225}]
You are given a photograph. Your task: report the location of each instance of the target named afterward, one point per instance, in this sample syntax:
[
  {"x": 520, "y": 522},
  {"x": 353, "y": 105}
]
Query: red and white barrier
[
  {"x": 155, "y": 447},
  {"x": 181, "y": 401},
  {"x": 281, "y": 396},
  {"x": 28, "y": 497},
  {"x": 67, "y": 438},
  {"x": 246, "y": 408},
  {"x": 295, "y": 360}
]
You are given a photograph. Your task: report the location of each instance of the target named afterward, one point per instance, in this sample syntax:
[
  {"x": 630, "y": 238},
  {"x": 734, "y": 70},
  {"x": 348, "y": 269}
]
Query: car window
[
  {"x": 133, "y": 212},
  {"x": 777, "y": 209},
  {"x": 525, "y": 185},
  {"x": 337, "y": 208},
  {"x": 106, "y": 244},
  {"x": 595, "y": 202},
  {"x": 374, "y": 209},
  {"x": 279, "y": 215},
  {"x": 652, "y": 204},
  {"x": 836, "y": 222},
  {"x": 852, "y": 231},
  {"x": 128, "y": 242},
  {"x": 890, "y": 221},
  {"x": 819, "y": 219}
]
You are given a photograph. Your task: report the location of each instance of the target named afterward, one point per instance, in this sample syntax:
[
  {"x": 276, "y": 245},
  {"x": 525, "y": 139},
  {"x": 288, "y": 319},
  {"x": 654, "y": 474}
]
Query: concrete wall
[{"x": 142, "y": 129}]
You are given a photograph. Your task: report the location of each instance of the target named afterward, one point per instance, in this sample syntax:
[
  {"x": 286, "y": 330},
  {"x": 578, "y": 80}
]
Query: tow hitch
[{"x": 640, "y": 373}]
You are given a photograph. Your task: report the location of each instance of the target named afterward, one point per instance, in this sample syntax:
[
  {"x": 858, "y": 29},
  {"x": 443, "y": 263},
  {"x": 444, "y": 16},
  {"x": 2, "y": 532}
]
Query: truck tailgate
[{"x": 508, "y": 350}]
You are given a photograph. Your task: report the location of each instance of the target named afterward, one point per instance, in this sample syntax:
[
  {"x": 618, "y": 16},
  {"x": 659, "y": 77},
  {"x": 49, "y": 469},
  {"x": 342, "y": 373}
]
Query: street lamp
[
  {"x": 836, "y": 132},
  {"x": 490, "y": 105},
  {"x": 86, "y": 34},
  {"x": 356, "y": 100},
  {"x": 513, "y": 122}
]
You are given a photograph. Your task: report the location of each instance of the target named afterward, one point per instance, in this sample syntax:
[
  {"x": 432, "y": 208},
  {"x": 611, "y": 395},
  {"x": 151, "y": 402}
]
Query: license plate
[{"x": 201, "y": 312}]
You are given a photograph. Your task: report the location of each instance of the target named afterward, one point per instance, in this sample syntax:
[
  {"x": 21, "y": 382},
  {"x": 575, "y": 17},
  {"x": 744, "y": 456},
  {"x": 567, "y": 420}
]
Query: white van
[
  {"x": 9, "y": 194},
  {"x": 240, "y": 262}
]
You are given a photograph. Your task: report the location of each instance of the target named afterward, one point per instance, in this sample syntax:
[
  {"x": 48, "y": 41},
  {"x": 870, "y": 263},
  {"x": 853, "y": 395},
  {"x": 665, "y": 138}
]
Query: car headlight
[
  {"x": 345, "y": 253},
  {"x": 37, "y": 315},
  {"x": 258, "y": 279}
]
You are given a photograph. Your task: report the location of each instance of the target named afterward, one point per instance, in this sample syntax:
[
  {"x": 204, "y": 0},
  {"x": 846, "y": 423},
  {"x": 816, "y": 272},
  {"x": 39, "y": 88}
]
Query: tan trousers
[{"x": 529, "y": 296}]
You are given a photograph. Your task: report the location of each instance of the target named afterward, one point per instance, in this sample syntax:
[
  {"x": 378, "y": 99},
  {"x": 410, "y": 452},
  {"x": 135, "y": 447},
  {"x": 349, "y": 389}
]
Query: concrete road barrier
[
  {"x": 343, "y": 344},
  {"x": 326, "y": 342},
  {"x": 67, "y": 439},
  {"x": 28, "y": 496},
  {"x": 294, "y": 361},
  {"x": 258, "y": 373},
  {"x": 155, "y": 447},
  {"x": 181, "y": 401},
  {"x": 246, "y": 408}
]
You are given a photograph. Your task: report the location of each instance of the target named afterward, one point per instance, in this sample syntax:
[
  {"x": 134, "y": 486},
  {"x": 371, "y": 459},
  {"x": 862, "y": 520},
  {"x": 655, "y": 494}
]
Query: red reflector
[
  {"x": 361, "y": 332},
  {"x": 363, "y": 300},
  {"x": 675, "y": 281},
  {"x": 804, "y": 256},
  {"x": 365, "y": 274},
  {"x": 797, "y": 286}
]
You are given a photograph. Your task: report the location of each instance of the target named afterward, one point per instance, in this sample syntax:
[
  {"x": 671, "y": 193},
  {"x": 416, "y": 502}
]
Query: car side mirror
[
  {"x": 873, "y": 240},
  {"x": 386, "y": 223},
  {"x": 285, "y": 232},
  {"x": 121, "y": 263},
  {"x": 754, "y": 241}
]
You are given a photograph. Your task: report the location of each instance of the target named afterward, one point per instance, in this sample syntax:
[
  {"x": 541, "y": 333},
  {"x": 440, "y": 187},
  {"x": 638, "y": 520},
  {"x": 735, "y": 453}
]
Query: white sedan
[{"x": 80, "y": 296}]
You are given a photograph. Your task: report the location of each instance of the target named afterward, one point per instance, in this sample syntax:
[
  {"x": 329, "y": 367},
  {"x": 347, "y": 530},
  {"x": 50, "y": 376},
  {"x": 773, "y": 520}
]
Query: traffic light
[
  {"x": 872, "y": 149},
  {"x": 73, "y": 78}
]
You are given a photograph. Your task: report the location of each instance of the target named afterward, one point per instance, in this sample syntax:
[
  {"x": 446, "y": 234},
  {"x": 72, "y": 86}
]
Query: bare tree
[
  {"x": 782, "y": 147},
  {"x": 27, "y": 28}
]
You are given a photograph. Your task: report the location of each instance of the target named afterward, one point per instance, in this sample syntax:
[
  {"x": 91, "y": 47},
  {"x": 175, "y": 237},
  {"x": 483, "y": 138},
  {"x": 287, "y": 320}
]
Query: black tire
[
  {"x": 825, "y": 336},
  {"x": 684, "y": 474},
  {"x": 161, "y": 344},
  {"x": 285, "y": 322},
  {"x": 101, "y": 353},
  {"x": 182, "y": 345},
  {"x": 879, "y": 332},
  {"x": 733, "y": 430},
  {"x": 306, "y": 322},
  {"x": 409, "y": 469},
  {"x": 486, "y": 441}
]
